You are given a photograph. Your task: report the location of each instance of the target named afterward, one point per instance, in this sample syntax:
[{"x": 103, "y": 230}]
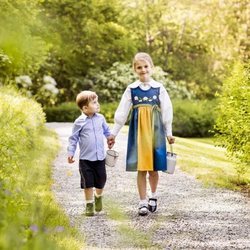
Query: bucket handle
[{"x": 171, "y": 149}]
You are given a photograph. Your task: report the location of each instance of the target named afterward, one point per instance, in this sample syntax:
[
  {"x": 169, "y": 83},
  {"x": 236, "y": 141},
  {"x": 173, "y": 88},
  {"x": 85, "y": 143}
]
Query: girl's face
[
  {"x": 144, "y": 70},
  {"x": 92, "y": 108}
]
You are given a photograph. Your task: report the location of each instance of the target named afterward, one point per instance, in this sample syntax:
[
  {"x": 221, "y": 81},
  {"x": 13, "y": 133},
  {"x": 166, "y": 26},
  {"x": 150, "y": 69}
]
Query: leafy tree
[
  {"x": 232, "y": 126},
  {"x": 191, "y": 40},
  {"x": 69, "y": 40},
  {"x": 22, "y": 49},
  {"x": 91, "y": 38}
]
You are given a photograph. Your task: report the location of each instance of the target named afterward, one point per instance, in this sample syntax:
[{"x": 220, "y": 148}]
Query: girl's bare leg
[
  {"x": 153, "y": 180},
  {"x": 142, "y": 184}
]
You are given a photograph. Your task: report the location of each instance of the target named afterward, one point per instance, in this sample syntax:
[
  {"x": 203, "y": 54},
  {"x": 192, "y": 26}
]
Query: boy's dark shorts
[{"x": 93, "y": 174}]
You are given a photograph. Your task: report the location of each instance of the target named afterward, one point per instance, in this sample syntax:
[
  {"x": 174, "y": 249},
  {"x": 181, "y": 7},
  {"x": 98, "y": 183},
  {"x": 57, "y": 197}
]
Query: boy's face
[
  {"x": 92, "y": 108},
  {"x": 144, "y": 70}
]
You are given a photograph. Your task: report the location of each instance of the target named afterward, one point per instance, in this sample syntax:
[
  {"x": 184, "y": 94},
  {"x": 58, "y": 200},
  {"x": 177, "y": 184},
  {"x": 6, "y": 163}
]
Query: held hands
[
  {"x": 70, "y": 159},
  {"x": 110, "y": 141},
  {"x": 171, "y": 139}
]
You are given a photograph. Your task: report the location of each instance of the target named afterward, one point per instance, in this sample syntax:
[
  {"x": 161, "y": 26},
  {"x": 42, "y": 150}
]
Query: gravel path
[{"x": 189, "y": 216}]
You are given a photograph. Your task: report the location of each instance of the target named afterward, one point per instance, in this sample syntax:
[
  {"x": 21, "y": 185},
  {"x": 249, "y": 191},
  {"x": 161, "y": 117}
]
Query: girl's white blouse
[{"x": 123, "y": 109}]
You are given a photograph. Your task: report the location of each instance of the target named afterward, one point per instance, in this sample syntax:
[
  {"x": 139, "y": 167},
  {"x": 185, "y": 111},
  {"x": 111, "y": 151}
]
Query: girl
[{"x": 150, "y": 123}]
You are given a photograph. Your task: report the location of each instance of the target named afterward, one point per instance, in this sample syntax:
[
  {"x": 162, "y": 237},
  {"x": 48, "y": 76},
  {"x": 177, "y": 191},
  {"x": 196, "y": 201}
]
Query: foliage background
[
  {"x": 52, "y": 49},
  {"x": 29, "y": 217},
  {"x": 234, "y": 106},
  {"x": 194, "y": 42}
]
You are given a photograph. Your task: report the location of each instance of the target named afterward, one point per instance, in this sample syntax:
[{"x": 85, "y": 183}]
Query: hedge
[
  {"x": 191, "y": 118},
  {"x": 21, "y": 120}
]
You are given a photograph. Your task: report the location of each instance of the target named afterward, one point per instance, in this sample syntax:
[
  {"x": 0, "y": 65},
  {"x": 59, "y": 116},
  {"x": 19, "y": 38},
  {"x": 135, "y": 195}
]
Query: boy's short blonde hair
[
  {"x": 143, "y": 56},
  {"x": 84, "y": 97}
]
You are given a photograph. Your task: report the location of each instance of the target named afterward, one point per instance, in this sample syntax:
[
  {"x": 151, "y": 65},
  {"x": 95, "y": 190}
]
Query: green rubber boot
[
  {"x": 98, "y": 204},
  {"x": 89, "y": 209}
]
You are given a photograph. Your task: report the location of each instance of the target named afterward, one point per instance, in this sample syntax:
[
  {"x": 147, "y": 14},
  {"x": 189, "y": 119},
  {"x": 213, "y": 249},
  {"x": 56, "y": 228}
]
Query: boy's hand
[
  {"x": 110, "y": 141},
  {"x": 70, "y": 159},
  {"x": 171, "y": 139}
]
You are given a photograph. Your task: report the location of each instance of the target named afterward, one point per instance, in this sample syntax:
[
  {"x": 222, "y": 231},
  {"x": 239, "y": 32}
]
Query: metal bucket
[
  {"x": 171, "y": 161},
  {"x": 111, "y": 158}
]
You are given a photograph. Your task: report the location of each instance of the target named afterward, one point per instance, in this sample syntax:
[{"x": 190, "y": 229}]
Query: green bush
[
  {"x": 21, "y": 119},
  {"x": 233, "y": 123},
  {"x": 108, "y": 110},
  {"x": 68, "y": 112},
  {"x": 65, "y": 112},
  {"x": 193, "y": 118},
  {"x": 29, "y": 216}
]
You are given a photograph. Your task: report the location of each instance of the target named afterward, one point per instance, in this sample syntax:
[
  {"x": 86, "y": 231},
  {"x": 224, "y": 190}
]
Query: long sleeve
[
  {"x": 74, "y": 138},
  {"x": 105, "y": 127},
  {"x": 166, "y": 111},
  {"x": 122, "y": 112},
  {"x": 88, "y": 132}
]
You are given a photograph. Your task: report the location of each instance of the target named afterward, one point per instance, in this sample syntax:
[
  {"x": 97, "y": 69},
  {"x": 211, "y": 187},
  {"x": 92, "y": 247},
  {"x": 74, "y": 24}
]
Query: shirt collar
[
  {"x": 85, "y": 116},
  {"x": 151, "y": 83}
]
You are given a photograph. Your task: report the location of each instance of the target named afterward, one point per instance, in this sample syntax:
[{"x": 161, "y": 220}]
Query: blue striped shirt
[{"x": 89, "y": 132}]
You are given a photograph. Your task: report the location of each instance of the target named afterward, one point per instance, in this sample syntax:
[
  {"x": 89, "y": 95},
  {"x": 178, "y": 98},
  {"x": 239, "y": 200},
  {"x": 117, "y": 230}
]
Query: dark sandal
[
  {"x": 152, "y": 208},
  {"x": 143, "y": 210}
]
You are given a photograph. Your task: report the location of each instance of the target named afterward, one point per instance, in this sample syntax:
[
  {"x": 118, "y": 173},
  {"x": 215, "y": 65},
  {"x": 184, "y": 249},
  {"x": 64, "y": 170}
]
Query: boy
[{"x": 88, "y": 131}]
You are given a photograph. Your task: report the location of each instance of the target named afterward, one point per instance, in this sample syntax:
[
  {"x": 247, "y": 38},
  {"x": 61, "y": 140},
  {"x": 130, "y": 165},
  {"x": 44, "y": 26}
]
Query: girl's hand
[
  {"x": 70, "y": 159},
  {"x": 171, "y": 139}
]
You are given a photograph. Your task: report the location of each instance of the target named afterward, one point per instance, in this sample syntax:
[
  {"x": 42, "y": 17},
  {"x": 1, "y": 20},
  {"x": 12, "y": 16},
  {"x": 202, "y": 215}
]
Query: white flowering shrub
[
  {"x": 48, "y": 93},
  {"x": 49, "y": 80},
  {"x": 177, "y": 90},
  {"x": 4, "y": 60},
  {"x": 44, "y": 91},
  {"x": 24, "y": 81},
  {"x": 111, "y": 84},
  {"x": 5, "y": 63}
]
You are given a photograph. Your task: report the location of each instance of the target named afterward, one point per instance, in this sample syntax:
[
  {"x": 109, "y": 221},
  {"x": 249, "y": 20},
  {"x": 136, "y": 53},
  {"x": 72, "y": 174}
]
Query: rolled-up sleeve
[{"x": 166, "y": 111}]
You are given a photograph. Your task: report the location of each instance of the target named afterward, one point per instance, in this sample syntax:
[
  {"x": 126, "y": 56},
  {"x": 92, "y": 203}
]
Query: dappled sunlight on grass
[
  {"x": 207, "y": 162},
  {"x": 201, "y": 158}
]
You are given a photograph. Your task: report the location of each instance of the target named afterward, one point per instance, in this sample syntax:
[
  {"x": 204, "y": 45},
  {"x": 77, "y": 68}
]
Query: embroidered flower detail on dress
[{"x": 145, "y": 98}]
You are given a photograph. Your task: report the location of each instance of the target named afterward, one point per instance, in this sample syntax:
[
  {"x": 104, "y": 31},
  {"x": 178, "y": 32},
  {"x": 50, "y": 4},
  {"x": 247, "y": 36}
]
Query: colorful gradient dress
[{"x": 146, "y": 149}]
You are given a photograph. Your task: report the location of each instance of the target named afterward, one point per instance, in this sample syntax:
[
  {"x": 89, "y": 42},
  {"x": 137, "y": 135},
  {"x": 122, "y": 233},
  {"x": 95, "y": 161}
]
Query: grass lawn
[
  {"x": 30, "y": 217},
  {"x": 208, "y": 163}
]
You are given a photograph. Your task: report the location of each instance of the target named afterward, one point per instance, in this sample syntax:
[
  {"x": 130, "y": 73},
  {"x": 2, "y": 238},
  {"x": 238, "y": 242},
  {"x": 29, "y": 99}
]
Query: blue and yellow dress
[{"x": 146, "y": 150}]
